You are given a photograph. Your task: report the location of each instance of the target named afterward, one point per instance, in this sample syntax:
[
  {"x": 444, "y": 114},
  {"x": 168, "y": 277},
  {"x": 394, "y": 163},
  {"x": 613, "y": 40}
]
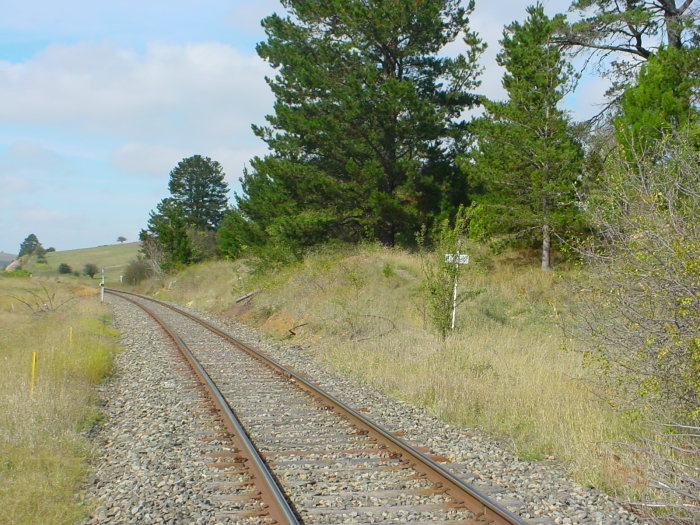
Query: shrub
[
  {"x": 90, "y": 270},
  {"x": 136, "y": 271},
  {"x": 640, "y": 314},
  {"x": 63, "y": 268},
  {"x": 441, "y": 274}
]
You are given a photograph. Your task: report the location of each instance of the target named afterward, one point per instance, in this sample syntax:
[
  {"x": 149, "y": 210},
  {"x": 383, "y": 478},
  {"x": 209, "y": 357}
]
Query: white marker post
[
  {"x": 102, "y": 287},
  {"x": 457, "y": 259}
]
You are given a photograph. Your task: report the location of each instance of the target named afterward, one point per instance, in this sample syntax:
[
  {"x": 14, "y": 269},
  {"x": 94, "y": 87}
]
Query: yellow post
[
  {"x": 33, "y": 375},
  {"x": 70, "y": 335}
]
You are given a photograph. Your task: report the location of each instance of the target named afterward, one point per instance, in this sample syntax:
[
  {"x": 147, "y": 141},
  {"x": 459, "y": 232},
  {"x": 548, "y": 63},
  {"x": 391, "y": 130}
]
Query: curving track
[{"x": 302, "y": 455}]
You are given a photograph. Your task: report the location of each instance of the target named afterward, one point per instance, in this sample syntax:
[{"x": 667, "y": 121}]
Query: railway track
[{"x": 302, "y": 456}]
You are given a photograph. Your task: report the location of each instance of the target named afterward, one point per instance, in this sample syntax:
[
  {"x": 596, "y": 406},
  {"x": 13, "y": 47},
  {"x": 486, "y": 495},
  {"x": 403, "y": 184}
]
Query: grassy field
[
  {"x": 507, "y": 368},
  {"x": 43, "y": 453},
  {"x": 113, "y": 258}
]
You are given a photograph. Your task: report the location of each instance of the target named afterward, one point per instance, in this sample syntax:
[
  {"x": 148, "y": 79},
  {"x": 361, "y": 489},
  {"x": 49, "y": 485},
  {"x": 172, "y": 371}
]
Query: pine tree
[
  {"x": 29, "y": 244},
  {"x": 181, "y": 229},
  {"x": 198, "y": 188},
  {"x": 630, "y": 32},
  {"x": 167, "y": 228},
  {"x": 367, "y": 120},
  {"x": 526, "y": 161}
]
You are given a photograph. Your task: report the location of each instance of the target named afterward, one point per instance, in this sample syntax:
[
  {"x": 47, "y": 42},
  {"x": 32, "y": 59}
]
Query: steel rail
[
  {"x": 277, "y": 506},
  {"x": 462, "y": 492}
]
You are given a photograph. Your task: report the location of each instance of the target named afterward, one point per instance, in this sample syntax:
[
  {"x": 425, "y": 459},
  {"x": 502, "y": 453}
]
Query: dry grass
[
  {"x": 212, "y": 285},
  {"x": 507, "y": 368},
  {"x": 43, "y": 454}
]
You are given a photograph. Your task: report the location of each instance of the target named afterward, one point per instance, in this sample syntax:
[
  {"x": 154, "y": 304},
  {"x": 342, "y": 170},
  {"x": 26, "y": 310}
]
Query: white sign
[{"x": 456, "y": 258}]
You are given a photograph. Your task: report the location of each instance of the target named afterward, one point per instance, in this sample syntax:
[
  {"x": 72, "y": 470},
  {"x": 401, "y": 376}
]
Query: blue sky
[{"x": 100, "y": 100}]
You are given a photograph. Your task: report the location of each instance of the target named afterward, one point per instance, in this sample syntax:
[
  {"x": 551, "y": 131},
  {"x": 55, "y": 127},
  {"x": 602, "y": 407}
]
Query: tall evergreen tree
[
  {"x": 167, "y": 228},
  {"x": 181, "y": 228},
  {"x": 367, "y": 119},
  {"x": 198, "y": 188},
  {"x": 525, "y": 160},
  {"x": 29, "y": 244}
]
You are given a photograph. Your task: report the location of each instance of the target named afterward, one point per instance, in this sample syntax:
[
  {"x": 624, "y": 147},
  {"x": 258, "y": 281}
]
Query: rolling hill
[
  {"x": 5, "y": 259},
  {"x": 113, "y": 258}
]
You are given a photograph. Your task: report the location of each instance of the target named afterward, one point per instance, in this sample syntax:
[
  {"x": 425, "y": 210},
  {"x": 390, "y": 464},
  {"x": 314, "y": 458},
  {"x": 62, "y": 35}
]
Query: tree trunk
[
  {"x": 546, "y": 246},
  {"x": 387, "y": 235},
  {"x": 672, "y": 18}
]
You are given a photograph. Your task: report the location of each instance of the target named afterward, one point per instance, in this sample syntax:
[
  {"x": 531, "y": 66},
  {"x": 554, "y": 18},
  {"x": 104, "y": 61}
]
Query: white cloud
[
  {"x": 183, "y": 93},
  {"x": 139, "y": 158},
  {"x": 143, "y": 158},
  {"x": 23, "y": 162},
  {"x": 247, "y": 16},
  {"x": 171, "y": 102},
  {"x": 134, "y": 21}
]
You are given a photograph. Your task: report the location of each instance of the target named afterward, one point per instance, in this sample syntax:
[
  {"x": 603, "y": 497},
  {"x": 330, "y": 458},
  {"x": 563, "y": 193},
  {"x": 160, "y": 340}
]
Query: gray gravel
[
  {"x": 330, "y": 472},
  {"x": 540, "y": 492},
  {"x": 154, "y": 469},
  {"x": 158, "y": 439}
]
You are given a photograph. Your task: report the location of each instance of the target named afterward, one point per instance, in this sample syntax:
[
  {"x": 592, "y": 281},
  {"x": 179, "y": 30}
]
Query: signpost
[
  {"x": 456, "y": 259},
  {"x": 102, "y": 287}
]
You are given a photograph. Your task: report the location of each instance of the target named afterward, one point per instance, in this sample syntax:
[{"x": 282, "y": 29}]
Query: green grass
[
  {"x": 113, "y": 258},
  {"x": 43, "y": 450}
]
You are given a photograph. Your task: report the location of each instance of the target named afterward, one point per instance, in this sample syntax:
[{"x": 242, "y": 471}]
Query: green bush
[
  {"x": 90, "y": 270},
  {"x": 63, "y": 268},
  {"x": 440, "y": 274},
  {"x": 136, "y": 271}
]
